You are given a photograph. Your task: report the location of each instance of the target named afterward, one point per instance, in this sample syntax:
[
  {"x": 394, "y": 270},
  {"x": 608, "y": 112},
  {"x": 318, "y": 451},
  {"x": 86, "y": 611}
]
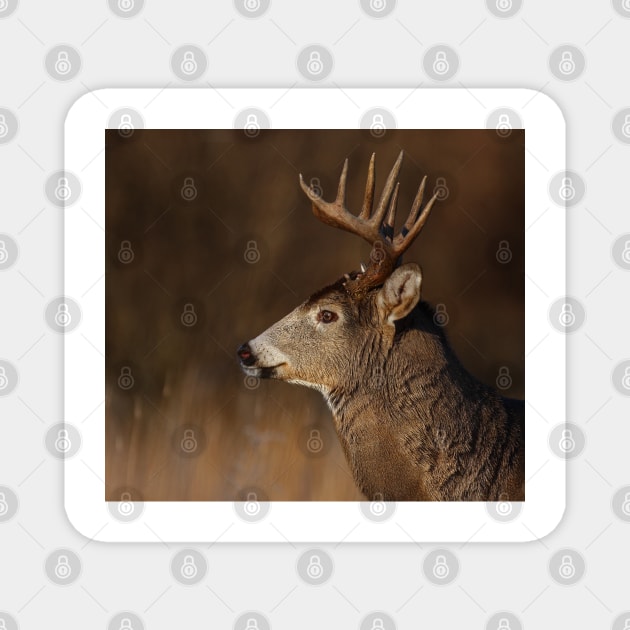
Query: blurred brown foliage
[{"x": 210, "y": 228}]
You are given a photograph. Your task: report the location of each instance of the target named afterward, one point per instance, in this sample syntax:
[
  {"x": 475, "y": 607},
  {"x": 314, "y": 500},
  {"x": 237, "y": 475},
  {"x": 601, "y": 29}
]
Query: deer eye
[{"x": 327, "y": 317}]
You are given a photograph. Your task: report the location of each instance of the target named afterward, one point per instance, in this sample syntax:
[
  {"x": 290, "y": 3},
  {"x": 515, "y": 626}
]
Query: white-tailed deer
[{"x": 413, "y": 423}]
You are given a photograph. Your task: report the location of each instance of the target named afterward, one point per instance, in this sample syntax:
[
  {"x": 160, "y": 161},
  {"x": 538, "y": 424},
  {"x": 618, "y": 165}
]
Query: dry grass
[{"x": 252, "y": 442}]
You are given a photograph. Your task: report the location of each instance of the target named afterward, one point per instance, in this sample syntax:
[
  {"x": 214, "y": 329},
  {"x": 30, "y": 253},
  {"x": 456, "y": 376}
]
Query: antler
[{"x": 375, "y": 226}]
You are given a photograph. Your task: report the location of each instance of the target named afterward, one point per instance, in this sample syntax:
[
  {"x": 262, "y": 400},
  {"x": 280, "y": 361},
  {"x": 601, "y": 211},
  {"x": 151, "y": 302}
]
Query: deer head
[{"x": 333, "y": 338}]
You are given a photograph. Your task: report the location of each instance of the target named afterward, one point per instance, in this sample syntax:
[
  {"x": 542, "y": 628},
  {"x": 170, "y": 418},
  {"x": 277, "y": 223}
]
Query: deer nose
[{"x": 246, "y": 355}]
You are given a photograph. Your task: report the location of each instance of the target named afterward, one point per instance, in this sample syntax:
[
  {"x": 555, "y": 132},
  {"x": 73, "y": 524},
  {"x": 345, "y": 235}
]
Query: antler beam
[{"x": 374, "y": 226}]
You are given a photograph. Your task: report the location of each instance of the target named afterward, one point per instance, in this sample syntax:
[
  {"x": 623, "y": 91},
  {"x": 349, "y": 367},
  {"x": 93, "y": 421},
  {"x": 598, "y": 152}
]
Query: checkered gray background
[{"x": 52, "y": 53}]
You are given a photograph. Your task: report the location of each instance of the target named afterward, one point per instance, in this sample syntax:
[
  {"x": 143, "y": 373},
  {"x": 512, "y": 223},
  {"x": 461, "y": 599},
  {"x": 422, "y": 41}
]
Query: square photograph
[{"x": 315, "y": 315}]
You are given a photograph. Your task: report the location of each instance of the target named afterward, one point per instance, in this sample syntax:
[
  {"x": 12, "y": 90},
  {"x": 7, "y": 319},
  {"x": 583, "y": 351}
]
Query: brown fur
[{"x": 413, "y": 423}]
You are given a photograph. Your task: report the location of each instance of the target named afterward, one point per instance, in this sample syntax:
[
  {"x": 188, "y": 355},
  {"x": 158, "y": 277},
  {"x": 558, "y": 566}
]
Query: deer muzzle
[
  {"x": 260, "y": 360},
  {"x": 245, "y": 354}
]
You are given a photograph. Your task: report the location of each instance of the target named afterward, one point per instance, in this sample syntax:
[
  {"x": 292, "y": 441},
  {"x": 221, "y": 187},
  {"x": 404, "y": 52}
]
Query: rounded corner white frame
[{"x": 307, "y": 108}]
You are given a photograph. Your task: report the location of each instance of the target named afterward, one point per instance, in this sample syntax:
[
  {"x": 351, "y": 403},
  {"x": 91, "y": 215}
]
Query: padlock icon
[
  {"x": 504, "y": 126},
  {"x": 441, "y": 568},
  {"x": 189, "y": 63},
  {"x": 63, "y": 192},
  {"x": 63, "y": 443},
  {"x": 440, "y": 64},
  {"x": 504, "y": 5},
  {"x": 125, "y": 378},
  {"x": 126, "y": 5},
  {"x": 189, "y": 568},
  {"x": 567, "y": 63},
  {"x": 63, "y": 570},
  {"x": 567, "y": 190},
  {"x": 567, "y": 316},
  {"x": 626, "y": 7},
  {"x": 625, "y": 128},
  {"x": 441, "y": 189},
  {"x": 189, "y": 441},
  {"x": 4, "y": 5},
  {"x": 125, "y": 624},
  {"x": 4, "y": 254},
  {"x": 377, "y": 505},
  {"x": 62, "y": 64},
  {"x": 125, "y": 505},
  {"x": 378, "y": 5},
  {"x": 251, "y": 382},
  {"x": 251, "y": 624},
  {"x": 252, "y": 253},
  {"x": 625, "y": 254},
  {"x": 4, "y": 507},
  {"x": 626, "y": 623},
  {"x": 377, "y": 624},
  {"x": 625, "y": 506},
  {"x": 125, "y": 253},
  {"x": 125, "y": 126},
  {"x": 504, "y": 624},
  {"x": 314, "y": 64},
  {"x": 189, "y": 190},
  {"x": 440, "y": 317},
  {"x": 4, "y": 381},
  {"x": 567, "y": 568},
  {"x": 252, "y": 505},
  {"x": 63, "y": 318},
  {"x": 189, "y": 315},
  {"x": 504, "y": 508},
  {"x": 504, "y": 380},
  {"x": 377, "y": 127},
  {"x": 315, "y": 187},
  {"x": 4, "y": 128},
  {"x": 252, "y": 5},
  {"x": 252, "y": 126},
  {"x": 567, "y": 441},
  {"x": 504, "y": 253},
  {"x": 625, "y": 381},
  {"x": 315, "y": 443},
  {"x": 315, "y": 570}
]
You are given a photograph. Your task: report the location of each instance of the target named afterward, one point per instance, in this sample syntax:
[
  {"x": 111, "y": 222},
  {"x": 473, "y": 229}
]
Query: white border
[{"x": 313, "y": 109}]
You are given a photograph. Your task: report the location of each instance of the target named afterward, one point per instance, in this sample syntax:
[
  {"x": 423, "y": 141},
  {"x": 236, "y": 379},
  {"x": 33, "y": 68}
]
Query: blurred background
[{"x": 210, "y": 240}]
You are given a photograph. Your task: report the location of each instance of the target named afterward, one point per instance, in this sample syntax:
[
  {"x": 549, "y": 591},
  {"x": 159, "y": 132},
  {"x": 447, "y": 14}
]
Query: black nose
[{"x": 246, "y": 355}]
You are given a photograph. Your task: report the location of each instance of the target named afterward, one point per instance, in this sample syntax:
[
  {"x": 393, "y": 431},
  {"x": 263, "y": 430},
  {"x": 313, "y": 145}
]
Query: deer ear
[{"x": 400, "y": 293}]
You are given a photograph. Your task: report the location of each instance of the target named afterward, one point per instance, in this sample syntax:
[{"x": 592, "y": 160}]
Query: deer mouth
[
  {"x": 251, "y": 363},
  {"x": 262, "y": 371}
]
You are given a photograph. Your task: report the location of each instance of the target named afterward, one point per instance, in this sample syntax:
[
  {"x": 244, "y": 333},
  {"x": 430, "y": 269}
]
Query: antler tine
[
  {"x": 417, "y": 202},
  {"x": 341, "y": 190},
  {"x": 387, "y": 191},
  {"x": 387, "y": 229},
  {"x": 376, "y": 227},
  {"x": 404, "y": 240},
  {"x": 368, "y": 200},
  {"x": 335, "y": 213}
]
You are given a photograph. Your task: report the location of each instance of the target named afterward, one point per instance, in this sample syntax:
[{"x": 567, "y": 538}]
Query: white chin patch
[
  {"x": 320, "y": 388},
  {"x": 251, "y": 371}
]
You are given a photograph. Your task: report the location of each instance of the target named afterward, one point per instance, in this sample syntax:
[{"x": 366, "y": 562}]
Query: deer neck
[{"x": 406, "y": 426}]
